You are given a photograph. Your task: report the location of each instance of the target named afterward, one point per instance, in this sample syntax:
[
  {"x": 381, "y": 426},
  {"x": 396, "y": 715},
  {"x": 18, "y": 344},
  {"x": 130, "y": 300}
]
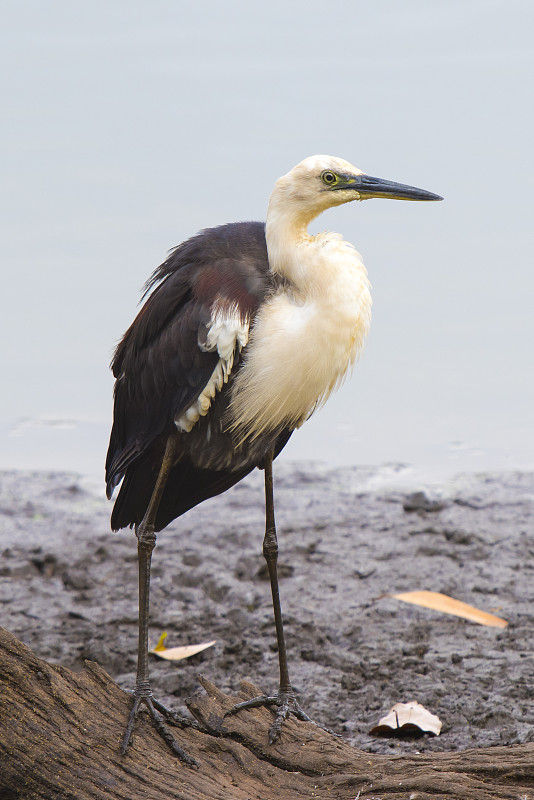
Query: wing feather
[{"x": 193, "y": 322}]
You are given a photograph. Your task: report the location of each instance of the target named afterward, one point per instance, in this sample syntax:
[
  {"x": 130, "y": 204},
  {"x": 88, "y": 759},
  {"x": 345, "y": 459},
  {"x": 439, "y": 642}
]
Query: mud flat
[{"x": 347, "y": 538}]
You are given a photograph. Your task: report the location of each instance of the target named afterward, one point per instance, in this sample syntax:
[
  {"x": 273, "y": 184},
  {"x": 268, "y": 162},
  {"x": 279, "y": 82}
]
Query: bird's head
[{"x": 320, "y": 182}]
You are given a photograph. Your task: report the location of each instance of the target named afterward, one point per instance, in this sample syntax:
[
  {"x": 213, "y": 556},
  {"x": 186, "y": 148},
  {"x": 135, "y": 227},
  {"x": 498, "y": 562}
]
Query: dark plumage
[{"x": 161, "y": 369}]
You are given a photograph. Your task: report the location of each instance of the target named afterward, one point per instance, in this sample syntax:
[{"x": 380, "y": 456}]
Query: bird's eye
[{"x": 329, "y": 178}]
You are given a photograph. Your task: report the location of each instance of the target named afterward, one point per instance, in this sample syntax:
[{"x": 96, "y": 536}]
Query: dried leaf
[
  {"x": 178, "y": 653},
  {"x": 406, "y": 718},
  {"x": 442, "y": 602}
]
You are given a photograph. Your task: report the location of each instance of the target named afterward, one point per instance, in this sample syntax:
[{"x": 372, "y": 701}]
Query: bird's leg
[
  {"x": 146, "y": 541},
  {"x": 285, "y": 701},
  {"x": 270, "y": 553}
]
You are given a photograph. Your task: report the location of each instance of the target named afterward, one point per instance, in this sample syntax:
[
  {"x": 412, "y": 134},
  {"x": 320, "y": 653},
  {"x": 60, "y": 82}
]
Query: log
[{"x": 60, "y": 733}]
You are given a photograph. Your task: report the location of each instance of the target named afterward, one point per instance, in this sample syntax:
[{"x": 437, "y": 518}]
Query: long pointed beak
[{"x": 368, "y": 187}]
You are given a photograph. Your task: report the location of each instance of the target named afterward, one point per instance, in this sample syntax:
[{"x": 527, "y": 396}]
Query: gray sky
[{"x": 126, "y": 127}]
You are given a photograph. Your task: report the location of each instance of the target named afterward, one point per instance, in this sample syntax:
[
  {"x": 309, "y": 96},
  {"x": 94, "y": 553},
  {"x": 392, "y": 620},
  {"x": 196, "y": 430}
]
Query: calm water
[{"x": 126, "y": 128}]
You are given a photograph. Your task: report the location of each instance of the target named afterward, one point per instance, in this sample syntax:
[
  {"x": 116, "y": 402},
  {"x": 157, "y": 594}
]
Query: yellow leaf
[
  {"x": 178, "y": 653},
  {"x": 160, "y": 645},
  {"x": 442, "y": 602}
]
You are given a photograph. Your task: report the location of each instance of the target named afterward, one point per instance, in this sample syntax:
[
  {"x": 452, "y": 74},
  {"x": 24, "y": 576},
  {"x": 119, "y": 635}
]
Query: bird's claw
[
  {"x": 286, "y": 704},
  {"x": 154, "y": 707},
  {"x": 173, "y": 718}
]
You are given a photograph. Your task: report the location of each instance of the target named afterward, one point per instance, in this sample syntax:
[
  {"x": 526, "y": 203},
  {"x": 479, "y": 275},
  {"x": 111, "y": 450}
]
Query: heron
[{"x": 246, "y": 329}]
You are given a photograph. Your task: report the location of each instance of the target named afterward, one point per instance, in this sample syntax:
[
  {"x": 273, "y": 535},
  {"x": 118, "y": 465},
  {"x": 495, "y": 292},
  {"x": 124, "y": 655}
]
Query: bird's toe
[
  {"x": 284, "y": 704},
  {"x": 156, "y": 710}
]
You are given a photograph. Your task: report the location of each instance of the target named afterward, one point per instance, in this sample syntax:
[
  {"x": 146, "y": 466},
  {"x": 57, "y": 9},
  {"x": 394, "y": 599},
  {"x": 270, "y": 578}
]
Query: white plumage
[
  {"x": 308, "y": 334},
  {"x": 227, "y": 334},
  {"x": 304, "y": 340}
]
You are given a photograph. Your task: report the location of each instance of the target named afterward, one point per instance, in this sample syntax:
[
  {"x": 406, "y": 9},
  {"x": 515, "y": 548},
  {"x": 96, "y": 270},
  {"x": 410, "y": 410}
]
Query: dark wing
[
  {"x": 187, "y": 484},
  {"x": 159, "y": 366}
]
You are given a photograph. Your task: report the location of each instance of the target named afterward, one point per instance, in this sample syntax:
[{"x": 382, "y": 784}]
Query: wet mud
[{"x": 347, "y": 538}]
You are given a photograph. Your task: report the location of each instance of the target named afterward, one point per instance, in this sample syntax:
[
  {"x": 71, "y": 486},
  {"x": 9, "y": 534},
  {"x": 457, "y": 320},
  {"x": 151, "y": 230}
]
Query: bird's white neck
[
  {"x": 306, "y": 335},
  {"x": 286, "y": 231}
]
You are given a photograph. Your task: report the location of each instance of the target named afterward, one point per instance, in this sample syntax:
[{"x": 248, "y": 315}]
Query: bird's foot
[
  {"x": 156, "y": 710},
  {"x": 285, "y": 703}
]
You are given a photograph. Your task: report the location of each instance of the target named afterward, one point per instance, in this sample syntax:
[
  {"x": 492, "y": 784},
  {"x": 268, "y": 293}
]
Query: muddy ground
[{"x": 68, "y": 589}]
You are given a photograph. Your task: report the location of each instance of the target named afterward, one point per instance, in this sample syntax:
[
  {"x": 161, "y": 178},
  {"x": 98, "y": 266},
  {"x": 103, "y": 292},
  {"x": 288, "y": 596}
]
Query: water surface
[{"x": 125, "y": 129}]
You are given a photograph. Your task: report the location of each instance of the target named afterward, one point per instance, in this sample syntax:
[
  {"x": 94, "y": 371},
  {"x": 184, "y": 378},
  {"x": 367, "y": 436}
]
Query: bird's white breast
[{"x": 304, "y": 340}]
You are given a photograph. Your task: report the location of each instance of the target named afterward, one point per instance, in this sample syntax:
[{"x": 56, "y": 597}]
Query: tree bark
[{"x": 60, "y": 734}]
